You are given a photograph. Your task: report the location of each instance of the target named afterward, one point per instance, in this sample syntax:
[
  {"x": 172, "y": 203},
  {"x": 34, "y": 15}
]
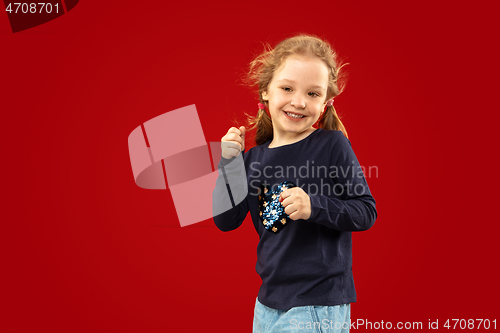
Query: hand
[
  {"x": 233, "y": 142},
  {"x": 296, "y": 202}
]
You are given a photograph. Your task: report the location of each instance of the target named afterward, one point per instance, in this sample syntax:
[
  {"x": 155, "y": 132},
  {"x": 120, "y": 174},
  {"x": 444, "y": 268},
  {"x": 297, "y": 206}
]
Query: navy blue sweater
[{"x": 308, "y": 262}]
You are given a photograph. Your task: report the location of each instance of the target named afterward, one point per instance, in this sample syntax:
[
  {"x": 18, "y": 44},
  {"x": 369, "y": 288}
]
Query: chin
[{"x": 296, "y": 130}]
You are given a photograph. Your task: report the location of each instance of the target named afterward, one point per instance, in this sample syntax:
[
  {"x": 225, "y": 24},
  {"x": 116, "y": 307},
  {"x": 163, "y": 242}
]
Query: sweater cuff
[{"x": 315, "y": 207}]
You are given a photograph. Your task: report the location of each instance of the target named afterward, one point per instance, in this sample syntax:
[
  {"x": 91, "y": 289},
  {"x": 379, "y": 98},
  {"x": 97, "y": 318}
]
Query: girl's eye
[
  {"x": 313, "y": 94},
  {"x": 287, "y": 89}
]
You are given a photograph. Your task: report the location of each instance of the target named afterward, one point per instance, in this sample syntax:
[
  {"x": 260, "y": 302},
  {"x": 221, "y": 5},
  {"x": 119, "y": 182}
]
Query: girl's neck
[{"x": 282, "y": 140}]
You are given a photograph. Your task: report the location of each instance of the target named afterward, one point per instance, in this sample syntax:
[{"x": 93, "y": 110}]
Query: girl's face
[{"x": 297, "y": 96}]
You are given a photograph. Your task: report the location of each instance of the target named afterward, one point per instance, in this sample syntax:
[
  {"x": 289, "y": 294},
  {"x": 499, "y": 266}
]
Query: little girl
[{"x": 306, "y": 191}]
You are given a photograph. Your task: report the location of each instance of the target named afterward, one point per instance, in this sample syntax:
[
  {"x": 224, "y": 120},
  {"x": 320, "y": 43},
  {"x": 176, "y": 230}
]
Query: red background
[{"x": 85, "y": 249}]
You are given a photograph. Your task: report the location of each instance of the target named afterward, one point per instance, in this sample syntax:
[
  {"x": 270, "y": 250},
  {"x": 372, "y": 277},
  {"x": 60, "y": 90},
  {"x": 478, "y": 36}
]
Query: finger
[
  {"x": 231, "y": 145},
  {"x": 288, "y": 201},
  {"x": 290, "y": 209},
  {"x": 234, "y": 130},
  {"x": 295, "y": 215},
  {"x": 231, "y": 131},
  {"x": 233, "y": 137},
  {"x": 285, "y": 194},
  {"x": 232, "y": 152}
]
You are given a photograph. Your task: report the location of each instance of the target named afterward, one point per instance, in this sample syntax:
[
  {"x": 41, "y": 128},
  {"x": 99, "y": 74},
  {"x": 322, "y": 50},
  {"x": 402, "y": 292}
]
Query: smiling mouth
[{"x": 294, "y": 115}]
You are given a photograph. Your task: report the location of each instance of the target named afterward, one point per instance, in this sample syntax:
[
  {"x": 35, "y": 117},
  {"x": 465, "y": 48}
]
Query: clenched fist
[
  {"x": 296, "y": 202},
  {"x": 233, "y": 142}
]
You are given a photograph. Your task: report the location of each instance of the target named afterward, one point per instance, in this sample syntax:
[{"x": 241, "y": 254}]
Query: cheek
[
  {"x": 317, "y": 110},
  {"x": 277, "y": 102}
]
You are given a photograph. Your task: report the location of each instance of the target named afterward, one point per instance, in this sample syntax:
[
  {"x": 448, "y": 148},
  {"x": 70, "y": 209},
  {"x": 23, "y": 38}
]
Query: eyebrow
[{"x": 292, "y": 81}]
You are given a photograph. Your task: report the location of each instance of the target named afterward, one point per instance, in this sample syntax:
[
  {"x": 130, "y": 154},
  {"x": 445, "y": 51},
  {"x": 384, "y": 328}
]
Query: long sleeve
[
  {"x": 229, "y": 198},
  {"x": 307, "y": 261},
  {"x": 350, "y": 205}
]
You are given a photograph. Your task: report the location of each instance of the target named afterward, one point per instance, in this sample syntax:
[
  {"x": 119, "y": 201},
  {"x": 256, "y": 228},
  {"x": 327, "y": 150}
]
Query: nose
[{"x": 298, "y": 103}]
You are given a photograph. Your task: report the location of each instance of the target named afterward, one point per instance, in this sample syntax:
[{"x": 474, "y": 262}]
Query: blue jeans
[{"x": 314, "y": 319}]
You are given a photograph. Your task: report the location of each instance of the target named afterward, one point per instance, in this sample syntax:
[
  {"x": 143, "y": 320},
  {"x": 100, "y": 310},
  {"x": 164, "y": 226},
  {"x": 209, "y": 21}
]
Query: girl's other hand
[
  {"x": 296, "y": 202},
  {"x": 233, "y": 142}
]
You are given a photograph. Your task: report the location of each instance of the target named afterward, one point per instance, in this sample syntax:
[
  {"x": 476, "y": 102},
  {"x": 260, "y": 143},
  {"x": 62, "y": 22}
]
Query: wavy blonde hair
[{"x": 266, "y": 64}]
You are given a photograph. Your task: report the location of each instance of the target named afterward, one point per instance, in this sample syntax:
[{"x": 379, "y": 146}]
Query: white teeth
[{"x": 294, "y": 115}]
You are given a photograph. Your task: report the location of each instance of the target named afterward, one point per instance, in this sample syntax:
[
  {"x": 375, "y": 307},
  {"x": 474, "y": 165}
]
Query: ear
[{"x": 265, "y": 96}]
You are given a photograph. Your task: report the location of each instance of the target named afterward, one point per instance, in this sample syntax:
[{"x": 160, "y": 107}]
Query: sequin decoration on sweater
[{"x": 272, "y": 213}]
